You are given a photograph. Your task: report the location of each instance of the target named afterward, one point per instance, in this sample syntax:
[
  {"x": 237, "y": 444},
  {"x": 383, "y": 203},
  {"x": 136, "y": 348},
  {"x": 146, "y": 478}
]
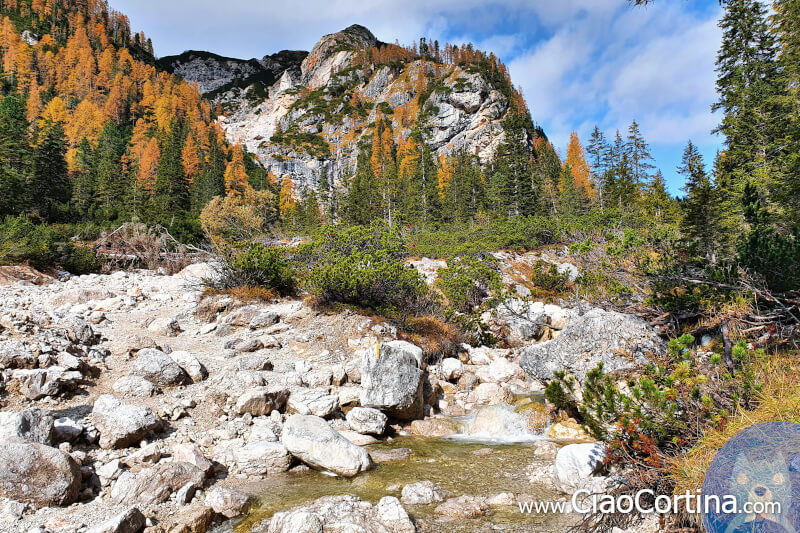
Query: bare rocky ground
[{"x": 132, "y": 401}]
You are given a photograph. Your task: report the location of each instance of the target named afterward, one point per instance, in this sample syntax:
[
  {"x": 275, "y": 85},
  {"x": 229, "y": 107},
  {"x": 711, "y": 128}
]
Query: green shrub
[
  {"x": 82, "y": 261},
  {"x": 772, "y": 256},
  {"x": 362, "y": 266},
  {"x": 468, "y": 280},
  {"x": 256, "y": 265},
  {"x": 547, "y": 277}
]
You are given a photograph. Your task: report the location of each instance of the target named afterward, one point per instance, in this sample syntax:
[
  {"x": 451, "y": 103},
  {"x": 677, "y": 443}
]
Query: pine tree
[
  {"x": 50, "y": 186},
  {"x": 700, "y": 206},
  {"x": 110, "y": 181},
  {"x": 597, "y": 150},
  {"x": 569, "y": 199},
  {"x": 639, "y": 154},
  {"x": 15, "y": 155},
  {"x": 171, "y": 193},
  {"x": 658, "y": 203},
  {"x": 83, "y": 180},
  {"x": 746, "y": 83},
  {"x": 363, "y": 201},
  {"x": 513, "y": 190}
]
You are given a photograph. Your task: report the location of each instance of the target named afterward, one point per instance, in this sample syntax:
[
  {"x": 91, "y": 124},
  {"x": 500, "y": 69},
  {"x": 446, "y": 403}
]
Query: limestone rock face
[
  {"x": 38, "y": 474},
  {"x": 266, "y": 99},
  {"x": 391, "y": 379},
  {"x": 617, "y": 340},
  {"x": 313, "y": 441}
]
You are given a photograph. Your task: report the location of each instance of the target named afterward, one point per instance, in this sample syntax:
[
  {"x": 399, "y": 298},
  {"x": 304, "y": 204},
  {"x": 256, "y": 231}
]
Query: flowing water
[{"x": 503, "y": 441}]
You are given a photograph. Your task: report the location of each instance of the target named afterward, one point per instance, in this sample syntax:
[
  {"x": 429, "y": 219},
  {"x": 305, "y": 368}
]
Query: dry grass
[
  {"x": 437, "y": 338},
  {"x": 778, "y": 401},
  {"x": 247, "y": 294}
]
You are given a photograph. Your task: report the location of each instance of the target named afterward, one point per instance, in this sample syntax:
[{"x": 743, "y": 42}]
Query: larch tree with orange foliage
[{"x": 579, "y": 167}]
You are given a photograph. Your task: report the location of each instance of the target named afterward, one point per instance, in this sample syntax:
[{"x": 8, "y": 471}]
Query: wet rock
[
  {"x": 154, "y": 485},
  {"x": 191, "y": 365},
  {"x": 617, "y": 340},
  {"x": 31, "y": 425},
  {"x": 366, "y": 420},
  {"x": 159, "y": 368},
  {"x": 313, "y": 441},
  {"x": 569, "y": 430},
  {"x": 121, "y": 425},
  {"x": 576, "y": 464},
  {"x": 433, "y": 427},
  {"x": 388, "y": 456},
  {"x": 326, "y": 514},
  {"x": 130, "y": 521},
  {"x": 135, "y": 386},
  {"x": 38, "y": 474},
  {"x": 463, "y": 507},
  {"x": 391, "y": 379},
  {"x": 315, "y": 402},
  {"x": 261, "y": 401},
  {"x": 422, "y": 493},
  {"x": 260, "y": 458},
  {"x": 228, "y": 502},
  {"x": 545, "y": 449}
]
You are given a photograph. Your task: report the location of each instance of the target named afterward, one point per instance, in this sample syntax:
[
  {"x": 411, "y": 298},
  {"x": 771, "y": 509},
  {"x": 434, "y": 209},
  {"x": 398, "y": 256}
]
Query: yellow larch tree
[
  {"x": 576, "y": 159},
  {"x": 235, "y": 174}
]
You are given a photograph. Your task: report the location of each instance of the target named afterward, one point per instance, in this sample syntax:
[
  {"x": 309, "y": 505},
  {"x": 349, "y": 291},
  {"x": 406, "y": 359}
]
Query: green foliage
[
  {"x": 362, "y": 266},
  {"x": 546, "y": 276},
  {"x": 43, "y": 246},
  {"x": 256, "y": 265},
  {"x": 773, "y": 257},
  {"x": 667, "y": 406},
  {"x": 468, "y": 280}
]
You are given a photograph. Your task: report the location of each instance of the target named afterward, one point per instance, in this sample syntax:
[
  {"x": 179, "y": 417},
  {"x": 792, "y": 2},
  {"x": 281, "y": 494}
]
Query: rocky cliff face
[{"x": 313, "y": 116}]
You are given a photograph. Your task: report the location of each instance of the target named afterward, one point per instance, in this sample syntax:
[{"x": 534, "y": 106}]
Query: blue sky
[{"x": 578, "y": 62}]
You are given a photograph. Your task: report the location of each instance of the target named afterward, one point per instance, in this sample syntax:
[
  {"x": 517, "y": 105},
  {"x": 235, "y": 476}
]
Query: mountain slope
[{"x": 312, "y": 119}]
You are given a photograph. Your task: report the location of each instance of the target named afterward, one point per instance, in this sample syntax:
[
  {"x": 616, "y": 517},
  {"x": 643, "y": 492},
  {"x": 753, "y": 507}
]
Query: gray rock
[
  {"x": 422, "y": 493},
  {"x": 264, "y": 319},
  {"x": 228, "y": 502},
  {"x": 391, "y": 379},
  {"x": 121, "y": 425},
  {"x": 130, "y": 521},
  {"x": 366, "y": 420},
  {"x": 15, "y": 354},
  {"x": 191, "y": 365},
  {"x": 261, "y": 401},
  {"x": 253, "y": 362},
  {"x": 154, "y": 485},
  {"x": 313, "y": 441},
  {"x": 331, "y": 512},
  {"x": 32, "y": 425},
  {"x": 38, "y": 383},
  {"x": 242, "y": 317},
  {"x": 135, "y": 386},
  {"x": 463, "y": 507},
  {"x": 260, "y": 458},
  {"x": 191, "y": 453},
  {"x": 576, "y": 464},
  {"x": 315, "y": 402},
  {"x": 66, "y": 429},
  {"x": 78, "y": 331},
  {"x": 617, "y": 340},
  {"x": 38, "y": 474},
  {"x": 156, "y": 366},
  {"x": 167, "y": 327}
]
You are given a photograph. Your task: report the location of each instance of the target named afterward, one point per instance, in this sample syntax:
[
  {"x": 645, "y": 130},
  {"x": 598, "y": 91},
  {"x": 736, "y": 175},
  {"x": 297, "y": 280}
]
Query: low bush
[
  {"x": 43, "y": 246},
  {"x": 546, "y": 277},
  {"x": 362, "y": 266},
  {"x": 468, "y": 280},
  {"x": 254, "y": 265}
]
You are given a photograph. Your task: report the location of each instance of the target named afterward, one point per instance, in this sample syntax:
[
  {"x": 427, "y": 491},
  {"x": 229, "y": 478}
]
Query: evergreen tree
[
  {"x": 597, "y": 149},
  {"x": 171, "y": 194},
  {"x": 110, "y": 180},
  {"x": 700, "y": 206},
  {"x": 513, "y": 189},
  {"x": 746, "y": 83},
  {"x": 363, "y": 201},
  {"x": 658, "y": 203},
  {"x": 568, "y": 197},
  {"x": 83, "y": 180},
  {"x": 639, "y": 153},
  {"x": 50, "y": 186},
  {"x": 15, "y": 155},
  {"x": 211, "y": 182}
]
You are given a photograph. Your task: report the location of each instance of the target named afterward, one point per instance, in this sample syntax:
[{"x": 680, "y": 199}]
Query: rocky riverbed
[{"x": 134, "y": 401}]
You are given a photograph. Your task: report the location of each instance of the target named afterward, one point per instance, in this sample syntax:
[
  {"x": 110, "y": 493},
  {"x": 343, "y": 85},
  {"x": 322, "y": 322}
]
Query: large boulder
[
  {"x": 313, "y": 441},
  {"x": 130, "y": 521},
  {"x": 154, "y": 485},
  {"x": 121, "y": 425},
  {"x": 617, "y": 340},
  {"x": 38, "y": 474},
  {"x": 391, "y": 379},
  {"x": 344, "y": 513},
  {"x": 576, "y": 464},
  {"x": 156, "y": 366}
]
